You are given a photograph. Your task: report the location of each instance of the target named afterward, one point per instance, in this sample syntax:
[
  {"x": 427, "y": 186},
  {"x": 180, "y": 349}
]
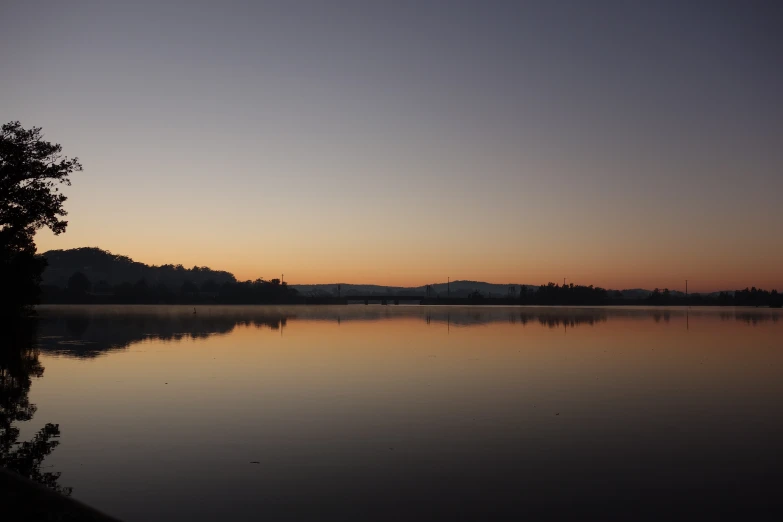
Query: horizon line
[{"x": 627, "y": 288}]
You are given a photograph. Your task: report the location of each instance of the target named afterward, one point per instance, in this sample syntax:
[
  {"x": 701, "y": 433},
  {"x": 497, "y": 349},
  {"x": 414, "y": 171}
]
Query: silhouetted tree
[
  {"x": 209, "y": 286},
  {"x": 552, "y": 294},
  {"x": 20, "y": 273},
  {"x": 79, "y": 283},
  {"x": 189, "y": 288},
  {"x": 102, "y": 287},
  {"x": 31, "y": 172}
]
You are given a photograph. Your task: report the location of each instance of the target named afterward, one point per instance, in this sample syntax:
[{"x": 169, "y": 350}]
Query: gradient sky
[{"x": 621, "y": 144}]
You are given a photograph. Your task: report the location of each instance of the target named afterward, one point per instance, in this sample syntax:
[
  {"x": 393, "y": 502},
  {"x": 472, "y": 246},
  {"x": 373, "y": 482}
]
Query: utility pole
[
  {"x": 282, "y": 278},
  {"x": 686, "y": 288},
  {"x": 564, "y": 280},
  {"x": 448, "y": 286}
]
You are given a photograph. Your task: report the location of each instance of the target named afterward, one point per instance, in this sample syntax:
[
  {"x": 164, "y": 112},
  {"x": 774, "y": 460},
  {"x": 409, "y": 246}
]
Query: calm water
[{"x": 400, "y": 413}]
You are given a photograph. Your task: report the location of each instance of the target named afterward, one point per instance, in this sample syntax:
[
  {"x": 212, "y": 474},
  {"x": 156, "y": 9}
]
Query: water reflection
[
  {"x": 398, "y": 413},
  {"x": 752, "y": 318},
  {"x": 19, "y": 364},
  {"x": 88, "y": 331}
]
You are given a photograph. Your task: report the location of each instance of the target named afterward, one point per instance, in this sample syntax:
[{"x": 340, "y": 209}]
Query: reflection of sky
[
  {"x": 89, "y": 331},
  {"x": 398, "y": 412},
  {"x": 618, "y": 144}
]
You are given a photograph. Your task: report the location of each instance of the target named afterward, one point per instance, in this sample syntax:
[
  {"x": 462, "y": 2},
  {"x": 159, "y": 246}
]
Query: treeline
[
  {"x": 545, "y": 295},
  {"x": 103, "y": 267},
  {"x": 576, "y": 295},
  {"x": 752, "y": 297},
  {"x": 568, "y": 295},
  {"x": 747, "y": 297},
  {"x": 80, "y": 289}
]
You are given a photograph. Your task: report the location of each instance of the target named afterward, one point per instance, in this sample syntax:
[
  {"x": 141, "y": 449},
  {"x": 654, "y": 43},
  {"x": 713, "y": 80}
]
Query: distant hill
[
  {"x": 103, "y": 266},
  {"x": 635, "y": 293},
  {"x": 641, "y": 293},
  {"x": 453, "y": 289}
]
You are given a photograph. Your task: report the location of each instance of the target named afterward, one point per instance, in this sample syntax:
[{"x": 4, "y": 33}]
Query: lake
[{"x": 412, "y": 412}]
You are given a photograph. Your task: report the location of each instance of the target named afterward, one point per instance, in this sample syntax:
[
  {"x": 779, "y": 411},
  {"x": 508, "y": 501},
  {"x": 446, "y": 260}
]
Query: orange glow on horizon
[{"x": 349, "y": 265}]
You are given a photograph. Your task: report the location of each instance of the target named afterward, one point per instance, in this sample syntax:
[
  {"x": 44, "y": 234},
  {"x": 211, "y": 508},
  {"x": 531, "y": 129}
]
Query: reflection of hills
[{"x": 88, "y": 331}]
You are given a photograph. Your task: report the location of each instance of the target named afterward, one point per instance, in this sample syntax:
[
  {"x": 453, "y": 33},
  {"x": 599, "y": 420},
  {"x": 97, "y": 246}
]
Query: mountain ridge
[{"x": 104, "y": 266}]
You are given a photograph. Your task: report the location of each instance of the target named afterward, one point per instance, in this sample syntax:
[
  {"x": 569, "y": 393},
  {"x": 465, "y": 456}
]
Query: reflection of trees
[
  {"x": 657, "y": 316},
  {"x": 89, "y": 331},
  {"x": 571, "y": 320},
  {"x": 548, "y": 317},
  {"x": 18, "y": 365},
  {"x": 752, "y": 318}
]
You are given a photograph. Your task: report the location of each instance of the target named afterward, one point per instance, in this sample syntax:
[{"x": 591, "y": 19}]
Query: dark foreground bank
[{"x": 24, "y": 500}]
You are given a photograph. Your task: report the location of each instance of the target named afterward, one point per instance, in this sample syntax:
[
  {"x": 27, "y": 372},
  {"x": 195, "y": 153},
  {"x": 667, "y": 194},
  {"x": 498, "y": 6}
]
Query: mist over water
[{"x": 413, "y": 412}]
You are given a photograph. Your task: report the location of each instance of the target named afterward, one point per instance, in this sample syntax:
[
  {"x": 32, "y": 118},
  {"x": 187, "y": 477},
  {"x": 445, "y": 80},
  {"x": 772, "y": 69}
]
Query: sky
[{"x": 622, "y": 144}]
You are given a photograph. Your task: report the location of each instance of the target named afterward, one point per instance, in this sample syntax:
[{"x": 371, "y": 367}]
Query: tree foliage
[
  {"x": 32, "y": 171},
  {"x": 569, "y": 295},
  {"x": 80, "y": 289},
  {"x": 79, "y": 283}
]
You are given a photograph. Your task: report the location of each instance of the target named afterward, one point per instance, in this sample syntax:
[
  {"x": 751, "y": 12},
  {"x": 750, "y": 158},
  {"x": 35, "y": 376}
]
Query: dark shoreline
[
  {"x": 397, "y": 300},
  {"x": 23, "y": 499}
]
